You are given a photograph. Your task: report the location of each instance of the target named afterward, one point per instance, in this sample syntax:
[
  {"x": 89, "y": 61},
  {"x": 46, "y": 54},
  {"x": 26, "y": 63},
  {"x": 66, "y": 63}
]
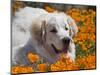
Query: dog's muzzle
[{"x": 66, "y": 42}]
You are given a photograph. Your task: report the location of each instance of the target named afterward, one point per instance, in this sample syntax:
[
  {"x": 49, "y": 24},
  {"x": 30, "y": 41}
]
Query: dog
[{"x": 46, "y": 34}]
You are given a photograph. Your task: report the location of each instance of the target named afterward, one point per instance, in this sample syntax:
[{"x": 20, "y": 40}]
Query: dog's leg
[
  {"x": 19, "y": 56},
  {"x": 15, "y": 51},
  {"x": 72, "y": 52}
]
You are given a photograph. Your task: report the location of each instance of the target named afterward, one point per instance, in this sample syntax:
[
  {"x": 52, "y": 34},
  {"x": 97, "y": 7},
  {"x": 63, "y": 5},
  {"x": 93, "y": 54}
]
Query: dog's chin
[{"x": 63, "y": 50}]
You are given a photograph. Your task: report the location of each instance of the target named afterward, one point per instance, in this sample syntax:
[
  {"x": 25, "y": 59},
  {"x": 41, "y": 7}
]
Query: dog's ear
[
  {"x": 43, "y": 31},
  {"x": 72, "y": 26}
]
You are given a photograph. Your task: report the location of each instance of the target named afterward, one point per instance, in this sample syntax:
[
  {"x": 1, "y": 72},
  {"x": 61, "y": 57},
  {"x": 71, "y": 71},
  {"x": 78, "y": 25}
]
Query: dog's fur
[{"x": 35, "y": 30}]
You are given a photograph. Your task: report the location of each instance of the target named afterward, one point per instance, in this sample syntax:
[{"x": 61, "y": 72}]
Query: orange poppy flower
[
  {"x": 33, "y": 57},
  {"x": 42, "y": 67},
  {"x": 21, "y": 69}
]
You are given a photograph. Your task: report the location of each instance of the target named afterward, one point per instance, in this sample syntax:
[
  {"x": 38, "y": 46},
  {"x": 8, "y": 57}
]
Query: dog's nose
[{"x": 66, "y": 40}]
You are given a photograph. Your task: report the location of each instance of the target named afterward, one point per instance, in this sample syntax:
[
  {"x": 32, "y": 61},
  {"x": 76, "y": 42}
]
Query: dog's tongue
[{"x": 64, "y": 50}]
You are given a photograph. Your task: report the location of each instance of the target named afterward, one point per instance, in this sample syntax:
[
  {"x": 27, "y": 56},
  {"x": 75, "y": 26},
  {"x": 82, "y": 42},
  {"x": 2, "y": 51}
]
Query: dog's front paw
[{"x": 71, "y": 57}]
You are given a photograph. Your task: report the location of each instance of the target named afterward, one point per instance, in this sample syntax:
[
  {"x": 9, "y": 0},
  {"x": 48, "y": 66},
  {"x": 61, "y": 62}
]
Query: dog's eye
[
  {"x": 54, "y": 30},
  {"x": 66, "y": 28}
]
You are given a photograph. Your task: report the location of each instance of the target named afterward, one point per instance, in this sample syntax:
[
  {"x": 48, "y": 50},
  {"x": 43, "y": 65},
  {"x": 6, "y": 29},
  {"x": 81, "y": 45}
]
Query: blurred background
[{"x": 57, "y": 6}]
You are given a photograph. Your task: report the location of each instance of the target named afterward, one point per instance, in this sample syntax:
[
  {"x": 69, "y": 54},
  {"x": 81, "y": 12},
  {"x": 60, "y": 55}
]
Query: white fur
[{"x": 26, "y": 31}]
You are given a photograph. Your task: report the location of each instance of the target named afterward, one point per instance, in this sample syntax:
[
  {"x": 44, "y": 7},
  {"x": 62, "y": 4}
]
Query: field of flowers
[{"x": 85, "y": 42}]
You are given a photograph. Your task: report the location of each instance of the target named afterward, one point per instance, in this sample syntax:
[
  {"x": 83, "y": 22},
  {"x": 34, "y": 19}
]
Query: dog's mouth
[{"x": 64, "y": 50}]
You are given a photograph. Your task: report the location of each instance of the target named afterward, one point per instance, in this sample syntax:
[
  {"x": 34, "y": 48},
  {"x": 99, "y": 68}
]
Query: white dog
[{"x": 43, "y": 33}]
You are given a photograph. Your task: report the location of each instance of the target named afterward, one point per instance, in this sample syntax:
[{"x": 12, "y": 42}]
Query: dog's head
[{"x": 57, "y": 31}]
